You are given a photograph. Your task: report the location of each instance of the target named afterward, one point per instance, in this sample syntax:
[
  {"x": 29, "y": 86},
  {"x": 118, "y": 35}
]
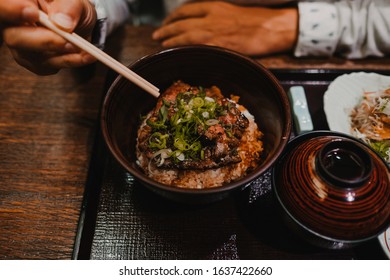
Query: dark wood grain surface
[{"x": 47, "y": 127}]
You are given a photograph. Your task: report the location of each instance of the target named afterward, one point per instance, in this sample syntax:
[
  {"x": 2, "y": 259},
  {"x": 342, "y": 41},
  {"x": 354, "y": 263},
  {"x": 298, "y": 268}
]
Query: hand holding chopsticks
[{"x": 99, "y": 55}]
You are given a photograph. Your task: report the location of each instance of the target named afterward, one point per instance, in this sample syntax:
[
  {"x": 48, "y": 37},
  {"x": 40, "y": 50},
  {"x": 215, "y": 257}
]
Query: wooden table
[{"x": 47, "y": 127}]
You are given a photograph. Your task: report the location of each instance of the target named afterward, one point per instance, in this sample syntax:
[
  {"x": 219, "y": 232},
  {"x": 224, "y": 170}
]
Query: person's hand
[
  {"x": 250, "y": 30},
  {"x": 37, "y": 48}
]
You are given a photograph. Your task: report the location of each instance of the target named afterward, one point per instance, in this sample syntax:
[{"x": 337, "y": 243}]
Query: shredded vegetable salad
[{"x": 370, "y": 121}]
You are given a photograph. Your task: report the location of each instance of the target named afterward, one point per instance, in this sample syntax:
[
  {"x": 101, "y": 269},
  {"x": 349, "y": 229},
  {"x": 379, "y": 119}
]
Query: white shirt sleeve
[
  {"x": 116, "y": 12},
  {"x": 353, "y": 29},
  {"x": 110, "y": 15}
]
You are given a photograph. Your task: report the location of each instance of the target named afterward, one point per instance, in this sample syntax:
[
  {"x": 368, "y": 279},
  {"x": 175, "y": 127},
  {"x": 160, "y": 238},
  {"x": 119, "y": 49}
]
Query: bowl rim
[{"x": 243, "y": 182}]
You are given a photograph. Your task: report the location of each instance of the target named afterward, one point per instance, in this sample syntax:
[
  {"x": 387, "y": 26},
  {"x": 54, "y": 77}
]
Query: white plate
[{"x": 343, "y": 94}]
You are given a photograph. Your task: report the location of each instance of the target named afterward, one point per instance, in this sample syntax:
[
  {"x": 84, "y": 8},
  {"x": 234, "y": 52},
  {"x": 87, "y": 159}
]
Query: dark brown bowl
[
  {"x": 205, "y": 66},
  {"x": 334, "y": 190}
]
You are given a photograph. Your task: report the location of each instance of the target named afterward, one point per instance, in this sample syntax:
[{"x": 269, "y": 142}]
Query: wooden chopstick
[{"x": 99, "y": 55}]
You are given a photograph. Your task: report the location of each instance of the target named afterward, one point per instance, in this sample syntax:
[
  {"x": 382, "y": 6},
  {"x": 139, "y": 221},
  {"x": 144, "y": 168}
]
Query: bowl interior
[{"x": 259, "y": 92}]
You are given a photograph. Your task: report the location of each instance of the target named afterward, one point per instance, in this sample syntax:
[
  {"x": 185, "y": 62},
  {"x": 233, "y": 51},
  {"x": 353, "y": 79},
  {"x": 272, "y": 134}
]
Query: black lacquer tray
[{"x": 120, "y": 219}]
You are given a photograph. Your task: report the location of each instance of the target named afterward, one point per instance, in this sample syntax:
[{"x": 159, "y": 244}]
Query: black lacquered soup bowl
[{"x": 333, "y": 190}]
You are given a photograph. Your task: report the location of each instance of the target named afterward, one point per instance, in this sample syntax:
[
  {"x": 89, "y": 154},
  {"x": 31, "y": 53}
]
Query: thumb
[
  {"x": 63, "y": 21},
  {"x": 65, "y": 13}
]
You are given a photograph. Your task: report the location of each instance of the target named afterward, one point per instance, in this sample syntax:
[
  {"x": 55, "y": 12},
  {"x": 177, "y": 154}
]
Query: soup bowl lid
[{"x": 334, "y": 186}]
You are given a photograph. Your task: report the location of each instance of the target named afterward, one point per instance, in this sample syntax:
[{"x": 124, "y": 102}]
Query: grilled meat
[{"x": 192, "y": 128}]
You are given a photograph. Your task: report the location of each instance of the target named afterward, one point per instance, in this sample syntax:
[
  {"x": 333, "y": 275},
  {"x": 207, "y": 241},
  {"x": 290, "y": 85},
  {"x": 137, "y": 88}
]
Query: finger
[
  {"x": 17, "y": 11},
  {"x": 71, "y": 60},
  {"x": 46, "y": 65},
  {"x": 37, "y": 39},
  {"x": 64, "y": 13},
  {"x": 73, "y": 15},
  {"x": 176, "y": 28},
  {"x": 190, "y": 38},
  {"x": 32, "y": 61},
  {"x": 187, "y": 11}
]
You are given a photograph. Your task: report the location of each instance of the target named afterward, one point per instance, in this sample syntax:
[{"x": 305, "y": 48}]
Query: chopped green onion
[
  {"x": 197, "y": 102},
  {"x": 178, "y": 125},
  {"x": 158, "y": 140}
]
